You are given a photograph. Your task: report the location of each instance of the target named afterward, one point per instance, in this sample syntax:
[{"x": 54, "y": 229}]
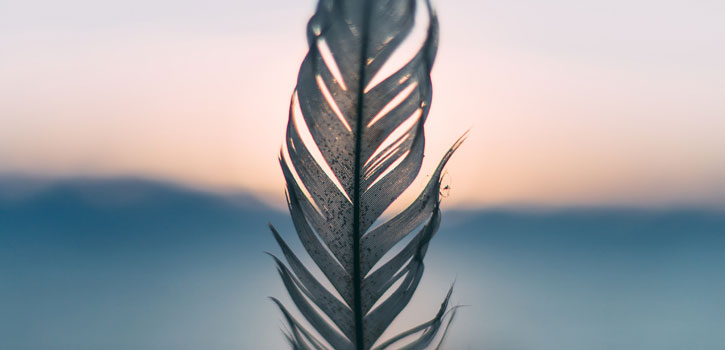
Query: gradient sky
[{"x": 617, "y": 102}]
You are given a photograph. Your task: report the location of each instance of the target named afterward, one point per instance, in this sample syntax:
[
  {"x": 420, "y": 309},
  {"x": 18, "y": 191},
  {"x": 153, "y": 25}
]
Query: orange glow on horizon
[{"x": 209, "y": 110}]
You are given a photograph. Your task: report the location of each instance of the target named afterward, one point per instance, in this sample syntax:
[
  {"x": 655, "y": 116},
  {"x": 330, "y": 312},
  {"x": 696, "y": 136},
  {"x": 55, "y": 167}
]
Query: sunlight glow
[{"x": 559, "y": 116}]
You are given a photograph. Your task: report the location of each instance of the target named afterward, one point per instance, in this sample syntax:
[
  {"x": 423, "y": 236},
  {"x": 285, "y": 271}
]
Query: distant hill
[
  {"x": 37, "y": 204},
  {"x": 119, "y": 211}
]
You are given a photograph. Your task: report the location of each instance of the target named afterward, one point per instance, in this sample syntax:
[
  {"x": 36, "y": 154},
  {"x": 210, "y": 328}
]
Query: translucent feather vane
[{"x": 355, "y": 141}]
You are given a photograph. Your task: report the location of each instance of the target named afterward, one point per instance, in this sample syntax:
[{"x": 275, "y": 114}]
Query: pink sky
[{"x": 567, "y": 105}]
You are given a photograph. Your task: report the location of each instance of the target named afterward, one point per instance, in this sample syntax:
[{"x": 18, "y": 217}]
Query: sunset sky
[{"x": 612, "y": 103}]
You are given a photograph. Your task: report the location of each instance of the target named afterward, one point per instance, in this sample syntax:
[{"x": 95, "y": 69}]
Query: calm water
[{"x": 130, "y": 264}]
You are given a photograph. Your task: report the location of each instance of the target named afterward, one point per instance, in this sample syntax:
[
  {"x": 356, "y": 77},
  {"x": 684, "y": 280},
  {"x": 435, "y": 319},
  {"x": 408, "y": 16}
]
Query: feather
[{"x": 367, "y": 156}]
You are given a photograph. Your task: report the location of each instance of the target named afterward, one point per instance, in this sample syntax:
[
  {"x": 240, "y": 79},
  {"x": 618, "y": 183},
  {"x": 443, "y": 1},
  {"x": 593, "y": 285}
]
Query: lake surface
[{"x": 134, "y": 264}]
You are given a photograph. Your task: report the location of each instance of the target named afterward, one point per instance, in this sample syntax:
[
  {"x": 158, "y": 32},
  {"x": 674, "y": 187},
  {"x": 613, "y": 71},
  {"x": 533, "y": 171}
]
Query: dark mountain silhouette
[{"x": 100, "y": 215}]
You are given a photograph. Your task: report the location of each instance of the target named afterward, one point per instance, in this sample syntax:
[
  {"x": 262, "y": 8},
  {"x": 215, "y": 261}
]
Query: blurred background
[{"x": 138, "y": 170}]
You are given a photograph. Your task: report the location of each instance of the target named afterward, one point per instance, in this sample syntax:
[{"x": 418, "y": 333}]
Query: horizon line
[{"x": 36, "y": 183}]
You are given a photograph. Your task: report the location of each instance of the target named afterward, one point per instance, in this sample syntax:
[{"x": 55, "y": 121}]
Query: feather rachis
[{"x": 334, "y": 199}]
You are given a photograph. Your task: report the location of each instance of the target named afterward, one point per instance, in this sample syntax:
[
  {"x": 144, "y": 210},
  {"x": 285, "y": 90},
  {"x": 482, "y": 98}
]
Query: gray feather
[{"x": 335, "y": 200}]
